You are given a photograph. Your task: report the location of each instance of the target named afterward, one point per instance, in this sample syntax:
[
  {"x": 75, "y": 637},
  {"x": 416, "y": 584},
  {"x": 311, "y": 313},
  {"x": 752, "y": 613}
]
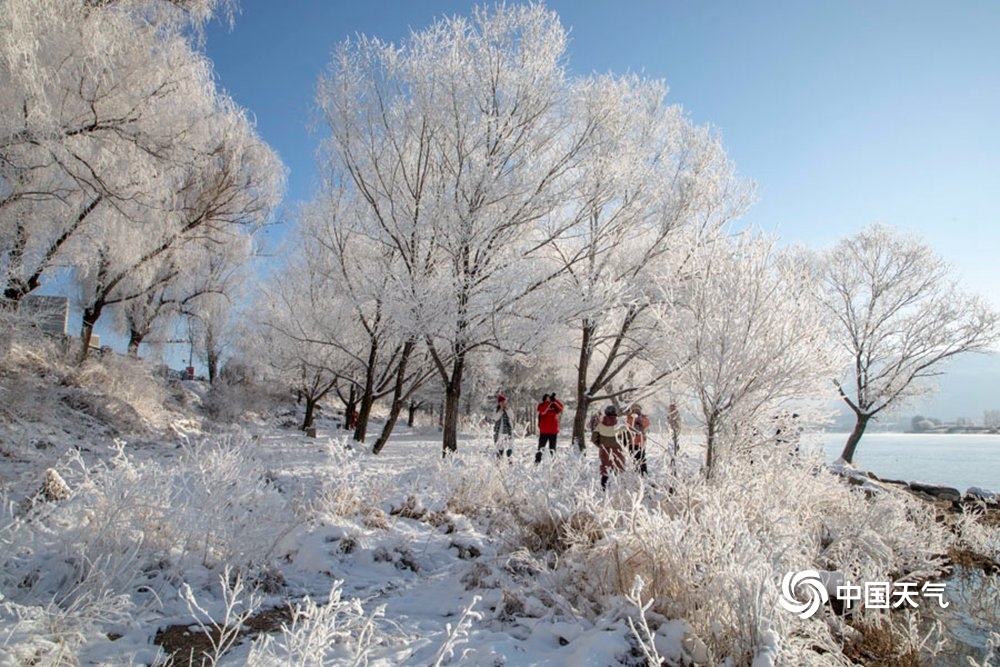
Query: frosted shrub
[
  {"x": 346, "y": 490},
  {"x": 557, "y": 506},
  {"x": 127, "y": 535},
  {"x": 992, "y": 657},
  {"x": 128, "y": 521},
  {"x": 337, "y": 633},
  {"x": 458, "y": 634},
  {"x": 27, "y": 373},
  {"x": 546, "y": 509},
  {"x": 641, "y": 630},
  {"x": 51, "y": 633},
  {"x": 29, "y": 350},
  {"x": 975, "y": 534},
  {"x": 54, "y": 594},
  {"x": 219, "y": 504},
  {"x": 469, "y": 486},
  {"x": 133, "y": 395},
  {"x": 890, "y": 533},
  {"x": 235, "y": 393},
  {"x": 227, "y": 403},
  {"x": 212, "y": 503},
  {"x": 713, "y": 553},
  {"x": 236, "y": 608},
  {"x": 52, "y": 554},
  {"x": 705, "y": 564}
]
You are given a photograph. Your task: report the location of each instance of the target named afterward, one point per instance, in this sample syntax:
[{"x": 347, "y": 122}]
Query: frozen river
[{"x": 960, "y": 460}]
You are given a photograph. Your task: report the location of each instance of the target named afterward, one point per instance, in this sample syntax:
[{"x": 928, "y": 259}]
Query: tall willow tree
[
  {"x": 647, "y": 188},
  {"x": 754, "y": 342},
  {"x": 116, "y": 147},
  {"x": 460, "y": 142}
]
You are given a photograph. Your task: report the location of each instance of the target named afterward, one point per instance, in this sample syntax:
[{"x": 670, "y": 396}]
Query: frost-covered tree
[
  {"x": 897, "y": 314},
  {"x": 228, "y": 187},
  {"x": 458, "y": 140},
  {"x": 360, "y": 273},
  {"x": 155, "y": 301},
  {"x": 332, "y": 316},
  {"x": 210, "y": 327},
  {"x": 752, "y": 338},
  {"x": 116, "y": 147},
  {"x": 179, "y": 284},
  {"x": 647, "y": 186},
  {"x": 96, "y": 103},
  {"x": 298, "y": 337}
]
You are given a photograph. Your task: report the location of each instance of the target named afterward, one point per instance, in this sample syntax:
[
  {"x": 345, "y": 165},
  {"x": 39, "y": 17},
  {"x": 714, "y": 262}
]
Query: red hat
[{"x": 501, "y": 398}]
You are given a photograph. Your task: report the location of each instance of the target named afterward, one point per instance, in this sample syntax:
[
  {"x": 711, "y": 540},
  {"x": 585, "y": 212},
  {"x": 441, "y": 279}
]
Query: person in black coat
[{"x": 502, "y": 429}]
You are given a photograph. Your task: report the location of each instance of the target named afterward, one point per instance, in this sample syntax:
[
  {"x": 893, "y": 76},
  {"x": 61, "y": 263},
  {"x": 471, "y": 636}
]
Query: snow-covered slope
[{"x": 249, "y": 543}]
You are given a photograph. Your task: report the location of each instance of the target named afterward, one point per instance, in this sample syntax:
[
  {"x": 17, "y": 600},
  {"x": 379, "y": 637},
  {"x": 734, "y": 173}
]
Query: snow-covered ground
[
  {"x": 440, "y": 587},
  {"x": 183, "y": 535}
]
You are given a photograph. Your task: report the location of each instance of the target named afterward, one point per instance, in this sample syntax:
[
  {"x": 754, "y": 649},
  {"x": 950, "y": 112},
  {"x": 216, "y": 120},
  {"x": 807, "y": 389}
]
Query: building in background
[{"x": 48, "y": 313}]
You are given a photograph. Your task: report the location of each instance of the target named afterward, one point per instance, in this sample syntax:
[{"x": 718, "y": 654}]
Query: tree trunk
[
  {"x": 855, "y": 437},
  {"x": 12, "y": 295},
  {"x": 16, "y": 288},
  {"x": 582, "y": 397},
  {"x": 92, "y": 313},
  {"x": 397, "y": 398},
  {"x": 307, "y": 421},
  {"x": 134, "y": 341},
  {"x": 580, "y": 423},
  {"x": 361, "y": 428},
  {"x": 390, "y": 423},
  {"x": 90, "y": 317},
  {"x": 411, "y": 412},
  {"x": 452, "y": 396},
  {"x": 212, "y": 363},
  {"x": 710, "y": 444},
  {"x": 213, "y": 354},
  {"x": 350, "y": 407}
]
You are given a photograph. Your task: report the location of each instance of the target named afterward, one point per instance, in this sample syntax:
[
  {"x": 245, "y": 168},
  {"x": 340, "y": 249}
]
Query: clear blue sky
[{"x": 844, "y": 112}]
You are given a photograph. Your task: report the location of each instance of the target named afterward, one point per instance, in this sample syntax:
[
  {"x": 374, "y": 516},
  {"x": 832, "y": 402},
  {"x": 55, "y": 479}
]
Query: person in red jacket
[{"x": 548, "y": 424}]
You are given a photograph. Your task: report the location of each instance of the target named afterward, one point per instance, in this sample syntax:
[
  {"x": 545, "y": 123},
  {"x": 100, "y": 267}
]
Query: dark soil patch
[
  {"x": 188, "y": 645},
  {"x": 973, "y": 561}
]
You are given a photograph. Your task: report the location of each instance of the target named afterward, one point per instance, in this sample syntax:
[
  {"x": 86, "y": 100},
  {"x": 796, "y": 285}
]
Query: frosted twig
[
  {"x": 643, "y": 634},
  {"x": 457, "y": 635}
]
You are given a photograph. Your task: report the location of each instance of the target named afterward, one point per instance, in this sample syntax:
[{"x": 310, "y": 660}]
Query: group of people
[{"x": 616, "y": 440}]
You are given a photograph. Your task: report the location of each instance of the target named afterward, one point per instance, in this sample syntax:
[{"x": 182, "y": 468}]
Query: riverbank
[
  {"x": 963, "y": 461},
  {"x": 971, "y": 565},
  {"x": 952, "y": 508}
]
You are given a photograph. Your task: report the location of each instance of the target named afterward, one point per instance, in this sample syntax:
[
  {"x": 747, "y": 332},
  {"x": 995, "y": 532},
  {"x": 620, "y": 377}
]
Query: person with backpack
[
  {"x": 548, "y": 424},
  {"x": 608, "y": 438},
  {"x": 502, "y": 429},
  {"x": 638, "y": 425}
]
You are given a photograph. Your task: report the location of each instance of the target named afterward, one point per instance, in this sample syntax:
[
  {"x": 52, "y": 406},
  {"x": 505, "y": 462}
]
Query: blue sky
[{"x": 844, "y": 112}]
